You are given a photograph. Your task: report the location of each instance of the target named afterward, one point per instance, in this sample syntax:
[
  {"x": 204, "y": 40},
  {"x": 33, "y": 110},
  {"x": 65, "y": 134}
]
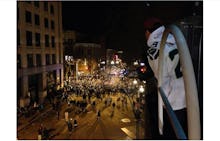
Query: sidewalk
[{"x": 23, "y": 121}]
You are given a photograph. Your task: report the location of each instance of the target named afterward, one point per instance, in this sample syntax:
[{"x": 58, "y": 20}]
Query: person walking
[
  {"x": 75, "y": 123},
  {"x": 70, "y": 126},
  {"x": 98, "y": 115},
  {"x": 172, "y": 84},
  {"x": 40, "y": 132},
  {"x": 58, "y": 108}
]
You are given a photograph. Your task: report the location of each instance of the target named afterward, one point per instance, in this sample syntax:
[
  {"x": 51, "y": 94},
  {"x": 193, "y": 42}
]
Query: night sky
[{"x": 120, "y": 24}]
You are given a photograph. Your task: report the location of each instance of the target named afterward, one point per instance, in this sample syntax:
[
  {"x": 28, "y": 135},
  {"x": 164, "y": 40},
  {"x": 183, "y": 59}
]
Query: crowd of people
[
  {"x": 86, "y": 93},
  {"x": 90, "y": 87}
]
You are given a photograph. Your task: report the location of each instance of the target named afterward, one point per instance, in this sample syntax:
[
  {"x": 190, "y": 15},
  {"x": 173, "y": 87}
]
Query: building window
[
  {"x": 47, "y": 40},
  {"x": 51, "y": 9},
  {"x": 28, "y": 16},
  {"x": 46, "y": 24},
  {"x": 37, "y": 19},
  {"x": 52, "y": 24},
  {"x": 30, "y": 60},
  {"x": 38, "y": 60},
  {"x": 45, "y": 6},
  {"x": 47, "y": 59},
  {"x": 37, "y": 39},
  {"x": 36, "y": 4},
  {"x": 28, "y": 38},
  {"x": 19, "y": 61},
  {"x": 18, "y": 37},
  {"x": 53, "y": 41},
  {"x": 53, "y": 59}
]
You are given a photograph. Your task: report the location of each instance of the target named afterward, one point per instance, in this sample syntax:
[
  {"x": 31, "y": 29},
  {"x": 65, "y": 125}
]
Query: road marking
[
  {"x": 126, "y": 120},
  {"x": 129, "y": 133}
]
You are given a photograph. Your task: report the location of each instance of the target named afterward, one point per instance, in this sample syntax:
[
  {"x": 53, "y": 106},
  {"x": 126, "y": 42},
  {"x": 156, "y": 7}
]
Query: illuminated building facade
[{"x": 39, "y": 48}]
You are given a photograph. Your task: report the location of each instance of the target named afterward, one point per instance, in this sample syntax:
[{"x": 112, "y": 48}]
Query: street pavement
[{"x": 120, "y": 126}]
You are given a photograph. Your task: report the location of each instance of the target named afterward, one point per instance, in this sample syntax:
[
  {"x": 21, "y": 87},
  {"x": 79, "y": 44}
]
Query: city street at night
[
  {"x": 88, "y": 70},
  {"x": 121, "y": 125}
]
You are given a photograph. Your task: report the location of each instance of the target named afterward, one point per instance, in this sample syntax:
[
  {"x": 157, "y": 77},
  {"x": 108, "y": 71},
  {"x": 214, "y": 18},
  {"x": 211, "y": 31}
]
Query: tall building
[{"x": 39, "y": 48}]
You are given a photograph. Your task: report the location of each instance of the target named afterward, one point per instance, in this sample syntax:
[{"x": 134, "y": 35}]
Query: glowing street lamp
[
  {"x": 141, "y": 89},
  {"x": 135, "y": 63},
  {"x": 112, "y": 62},
  {"x": 135, "y": 82}
]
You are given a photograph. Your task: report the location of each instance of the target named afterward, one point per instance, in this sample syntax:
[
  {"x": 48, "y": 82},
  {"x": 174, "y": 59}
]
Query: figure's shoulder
[{"x": 169, "y": 47}]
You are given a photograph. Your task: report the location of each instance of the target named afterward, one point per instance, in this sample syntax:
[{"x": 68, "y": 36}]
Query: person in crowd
[
  {"x": 75, "y": 123},
  {"x": 70, "y": 126},
  {"x": 40, "y": 130},
  {"x": 98, "y": 115}
]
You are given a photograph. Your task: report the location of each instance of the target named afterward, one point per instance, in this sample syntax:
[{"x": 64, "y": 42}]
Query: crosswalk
[{"x": 129, "y": 133}]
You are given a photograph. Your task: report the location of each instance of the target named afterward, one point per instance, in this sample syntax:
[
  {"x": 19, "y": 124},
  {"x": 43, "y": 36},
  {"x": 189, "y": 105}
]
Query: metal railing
[
  {"x": 174, "y": 122},
  {"x": 193, "y": 115}
]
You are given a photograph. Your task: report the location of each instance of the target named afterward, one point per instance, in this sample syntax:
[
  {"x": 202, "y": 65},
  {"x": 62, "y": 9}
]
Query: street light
[
  {"x": 135, "y": 82},
  {"x": 135, "y": 63},
  {"x": 141, "y": 89},
  {"x": 112, "y": 62}
]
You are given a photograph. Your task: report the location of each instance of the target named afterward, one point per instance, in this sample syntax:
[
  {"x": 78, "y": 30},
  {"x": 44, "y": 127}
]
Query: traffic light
[{"x": 141, "y": 71}]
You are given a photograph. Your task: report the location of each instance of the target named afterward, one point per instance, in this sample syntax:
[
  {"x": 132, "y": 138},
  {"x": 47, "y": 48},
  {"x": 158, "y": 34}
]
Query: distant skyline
[{"x": 120, "y": 23}]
